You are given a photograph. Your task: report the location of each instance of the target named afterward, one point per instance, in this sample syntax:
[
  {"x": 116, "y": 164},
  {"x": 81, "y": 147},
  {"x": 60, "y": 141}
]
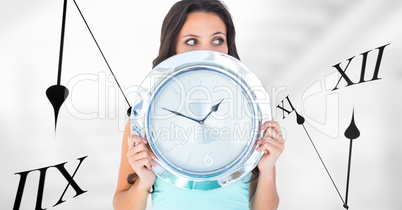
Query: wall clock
[{"x": 201, "y": 112}]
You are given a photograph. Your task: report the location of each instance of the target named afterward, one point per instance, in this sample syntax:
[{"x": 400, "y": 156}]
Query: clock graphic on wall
[{"x": 201, "y": 112}]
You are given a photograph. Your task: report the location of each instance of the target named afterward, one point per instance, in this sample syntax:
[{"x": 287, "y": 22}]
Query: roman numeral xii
[{"x": 349, "y": 82}]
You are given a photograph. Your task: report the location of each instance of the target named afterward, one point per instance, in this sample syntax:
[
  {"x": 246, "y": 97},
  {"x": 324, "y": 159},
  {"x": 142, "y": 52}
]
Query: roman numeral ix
[{"x": 42, "y": 176}]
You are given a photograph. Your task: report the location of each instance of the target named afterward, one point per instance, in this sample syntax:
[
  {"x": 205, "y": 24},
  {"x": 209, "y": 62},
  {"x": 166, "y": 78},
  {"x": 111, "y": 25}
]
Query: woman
[{"x": 197, "y": 25}]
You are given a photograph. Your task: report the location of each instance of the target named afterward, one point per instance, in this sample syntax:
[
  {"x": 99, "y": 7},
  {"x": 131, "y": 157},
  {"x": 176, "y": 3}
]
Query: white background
[{"x": 291, "y": 45}]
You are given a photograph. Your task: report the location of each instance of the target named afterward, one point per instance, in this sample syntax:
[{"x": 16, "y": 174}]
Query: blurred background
[{"x": 292, "y": 46}]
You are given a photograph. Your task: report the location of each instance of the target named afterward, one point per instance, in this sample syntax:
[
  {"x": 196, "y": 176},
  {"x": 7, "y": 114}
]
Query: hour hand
[
  {"x": 214, "y": 108},
  {"x": 182, "y": 115}
]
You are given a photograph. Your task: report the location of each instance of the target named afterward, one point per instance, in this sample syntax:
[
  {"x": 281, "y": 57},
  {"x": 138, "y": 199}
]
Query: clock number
[
  {"x": 42, "y": 178},
  {"x": 283, "y": 107},
  {"x": 363, "y": 68},
  {"x": 208, "y": 160},
  {"x": 299, "y": 118}
]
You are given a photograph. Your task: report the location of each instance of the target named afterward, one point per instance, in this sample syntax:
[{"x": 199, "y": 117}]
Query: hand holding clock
[
  {"x": 141, "y": 160},
  {"x": 272, "y": 144}
]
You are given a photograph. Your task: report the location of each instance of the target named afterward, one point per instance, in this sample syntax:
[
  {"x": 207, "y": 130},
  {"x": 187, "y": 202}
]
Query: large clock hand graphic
[
  {"x": 352, "y": 132},
  {"x": 300, "y": 120},
  {"x": 57, "y": 94},
  {"x": 214, "y": 108},
  {"x": 182, "y": 115}
]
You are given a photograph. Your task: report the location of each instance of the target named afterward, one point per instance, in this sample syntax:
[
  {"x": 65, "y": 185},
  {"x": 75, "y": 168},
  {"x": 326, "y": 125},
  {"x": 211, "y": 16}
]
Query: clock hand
[
  {"x": 104, "y": 58},
  {"x": 57, "y": 94},
  {"x": 352, "y": 132},
  {"x": 214, "y": 108},
  {"x": 300, "y": 120},
  {"x": 182, "y": 115}
]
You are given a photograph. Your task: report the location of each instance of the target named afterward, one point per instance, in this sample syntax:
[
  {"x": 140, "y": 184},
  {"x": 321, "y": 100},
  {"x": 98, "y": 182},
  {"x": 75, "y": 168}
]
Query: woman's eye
[
  {"x": 191, "y": 42},
  {"x": 218, "y": 41}
]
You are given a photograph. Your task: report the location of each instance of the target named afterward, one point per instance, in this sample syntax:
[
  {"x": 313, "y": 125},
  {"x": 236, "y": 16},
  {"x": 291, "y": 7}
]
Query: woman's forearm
[
  {"x": 133, "y": 198},
  {"x": 266, "y": 195}
]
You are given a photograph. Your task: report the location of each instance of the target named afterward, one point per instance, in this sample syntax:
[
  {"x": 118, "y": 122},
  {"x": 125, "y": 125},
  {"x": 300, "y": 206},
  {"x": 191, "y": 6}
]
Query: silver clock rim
[
  {"x": 227, "y": 65},
  {"x": 212, "y": 173}
]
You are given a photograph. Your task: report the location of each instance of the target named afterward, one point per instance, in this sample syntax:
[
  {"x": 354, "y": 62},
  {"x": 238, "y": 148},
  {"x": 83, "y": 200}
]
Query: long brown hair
[{"x": 175, "y": 18}]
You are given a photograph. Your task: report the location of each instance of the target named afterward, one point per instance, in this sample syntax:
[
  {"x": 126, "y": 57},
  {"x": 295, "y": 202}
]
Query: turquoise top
[{"x": 233, "y": 197}]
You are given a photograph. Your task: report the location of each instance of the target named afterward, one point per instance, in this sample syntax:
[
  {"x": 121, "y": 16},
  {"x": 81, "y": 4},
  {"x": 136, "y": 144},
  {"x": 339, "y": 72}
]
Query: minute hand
[{"x": 182, "y": 115}]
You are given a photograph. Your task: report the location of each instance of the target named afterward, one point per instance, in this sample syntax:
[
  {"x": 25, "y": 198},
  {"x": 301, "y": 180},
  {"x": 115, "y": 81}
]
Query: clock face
[
  {"x": 201, "y": 121},
  {"x": 201, "y": 112}
]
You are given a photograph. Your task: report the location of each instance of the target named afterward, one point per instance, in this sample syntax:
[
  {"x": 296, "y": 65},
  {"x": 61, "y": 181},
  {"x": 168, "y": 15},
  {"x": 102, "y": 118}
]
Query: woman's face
[{"x": 202, "y": 31}]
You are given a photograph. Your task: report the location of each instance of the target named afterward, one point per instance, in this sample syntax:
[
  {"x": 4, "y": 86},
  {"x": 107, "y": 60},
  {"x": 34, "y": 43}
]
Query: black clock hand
[
  {"x": 352, "y": 132},
  {"x": 182, "y": 115},
  {"x": 57, "y": 94},
  {"x": 104, "y": 58},
  {"x": 214, "y": 108},
  {"x": 300, "y": 120}
]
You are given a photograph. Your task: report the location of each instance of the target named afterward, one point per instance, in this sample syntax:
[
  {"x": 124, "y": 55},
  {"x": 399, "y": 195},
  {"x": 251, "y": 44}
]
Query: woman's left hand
[{"x": 272, "y": 144}]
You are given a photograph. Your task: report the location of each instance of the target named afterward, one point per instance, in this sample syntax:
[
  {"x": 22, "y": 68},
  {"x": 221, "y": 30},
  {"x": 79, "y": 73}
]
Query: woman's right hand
[{"x": 141, "y": 160}]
